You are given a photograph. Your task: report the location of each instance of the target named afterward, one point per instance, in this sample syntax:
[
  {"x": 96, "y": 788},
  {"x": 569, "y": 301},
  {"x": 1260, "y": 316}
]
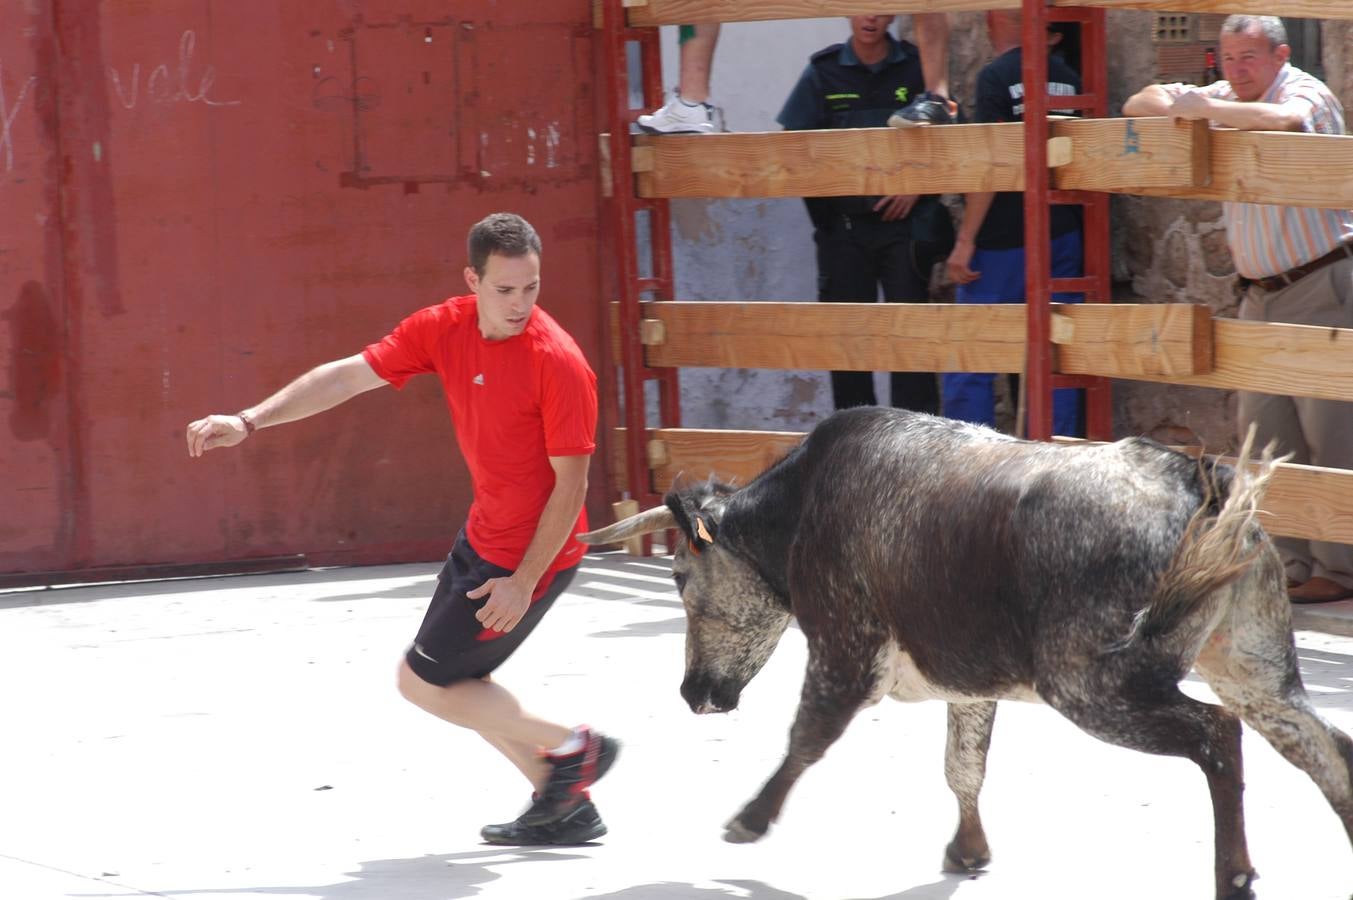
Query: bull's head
[{"x": 733, "y": 618}]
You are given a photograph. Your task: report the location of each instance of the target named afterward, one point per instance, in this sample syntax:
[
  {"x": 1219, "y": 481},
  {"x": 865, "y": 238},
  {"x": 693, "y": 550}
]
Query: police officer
[{"x": 865, "y": 242}]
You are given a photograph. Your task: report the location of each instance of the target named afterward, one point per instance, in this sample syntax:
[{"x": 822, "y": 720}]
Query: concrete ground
[{"x": 241, "y": 738}]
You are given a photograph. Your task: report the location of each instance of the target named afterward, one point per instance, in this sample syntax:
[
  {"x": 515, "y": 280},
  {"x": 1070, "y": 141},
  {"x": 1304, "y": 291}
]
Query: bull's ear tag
[{"x": 701, "y": 531}]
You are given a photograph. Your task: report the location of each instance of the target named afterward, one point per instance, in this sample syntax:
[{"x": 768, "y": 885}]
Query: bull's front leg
[{"x": 833, "y": 691}]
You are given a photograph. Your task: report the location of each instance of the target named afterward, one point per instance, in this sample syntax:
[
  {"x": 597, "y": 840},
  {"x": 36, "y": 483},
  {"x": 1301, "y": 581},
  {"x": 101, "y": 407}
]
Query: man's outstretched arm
[{"x": 323, "y": 387}]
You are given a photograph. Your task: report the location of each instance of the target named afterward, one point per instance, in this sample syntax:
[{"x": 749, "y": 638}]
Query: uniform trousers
[{"x": 856, "y": 255}]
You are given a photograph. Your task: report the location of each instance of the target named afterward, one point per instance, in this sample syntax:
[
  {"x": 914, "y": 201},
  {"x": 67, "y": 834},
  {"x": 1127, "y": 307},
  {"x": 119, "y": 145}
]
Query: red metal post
[
  {"x": 622, "y": 208},
  {"x": 1095, "y": 65},
  {"x": 1037, "y": 252},
  {"x": 620, "y": 205},
  {"x": 660, "y": 221},
  {"x": 1096, "y": 282}
]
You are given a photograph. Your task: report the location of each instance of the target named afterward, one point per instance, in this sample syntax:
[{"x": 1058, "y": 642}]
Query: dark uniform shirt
[
  {"x": 836, "y": 90},
  {"x": 1000, "y": 98}
]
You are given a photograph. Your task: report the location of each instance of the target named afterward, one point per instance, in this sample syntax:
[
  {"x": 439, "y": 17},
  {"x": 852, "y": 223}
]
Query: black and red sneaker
[
  {"x": 926, "y": 109},
  {"x": 579, "y": 825},
  {"x": 570, "y": 777}
]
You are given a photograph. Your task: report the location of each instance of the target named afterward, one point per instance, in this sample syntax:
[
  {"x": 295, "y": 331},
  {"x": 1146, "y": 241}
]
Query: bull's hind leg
[
  {"x": 833, "y": 691},
  {"x": 1251, "y": 664},
  {"x": 1137, "y": 705},
  {"x": 965, "y": 768}
]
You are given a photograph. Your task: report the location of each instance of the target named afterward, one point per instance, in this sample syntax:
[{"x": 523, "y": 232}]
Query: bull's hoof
[
  {"x": 1240, "y": 888},
  {"x": 959, "y": 863},
  {"x": 735, "y": 832}
]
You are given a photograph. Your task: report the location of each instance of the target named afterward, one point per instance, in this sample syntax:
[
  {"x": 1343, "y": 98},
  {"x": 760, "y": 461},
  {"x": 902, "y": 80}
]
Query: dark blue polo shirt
[
  {"x": 1000, "y": 98},
  {"x": 836, "y": 90}
]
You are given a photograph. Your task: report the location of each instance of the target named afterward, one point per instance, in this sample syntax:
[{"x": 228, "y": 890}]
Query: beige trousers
[{"x": 1315, "y": 432}]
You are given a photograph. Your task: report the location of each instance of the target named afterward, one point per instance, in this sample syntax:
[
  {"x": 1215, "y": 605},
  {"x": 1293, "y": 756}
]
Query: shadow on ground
[
  {"x": 443, "y": 876},
  {"x": 450, "y": 876},
  {"x": 425, "y": 573},
  {"x": 743, "y": 889},
  {"x": 1328, "y": 676}
]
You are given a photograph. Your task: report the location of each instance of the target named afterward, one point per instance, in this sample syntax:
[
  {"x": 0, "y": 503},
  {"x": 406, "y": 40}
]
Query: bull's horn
[{"x": 659, "y": 518}]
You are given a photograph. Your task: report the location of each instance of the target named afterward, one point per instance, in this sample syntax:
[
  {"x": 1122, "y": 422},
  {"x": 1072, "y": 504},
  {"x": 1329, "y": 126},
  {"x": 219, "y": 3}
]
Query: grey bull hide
[{"x": 929, "y": 559}]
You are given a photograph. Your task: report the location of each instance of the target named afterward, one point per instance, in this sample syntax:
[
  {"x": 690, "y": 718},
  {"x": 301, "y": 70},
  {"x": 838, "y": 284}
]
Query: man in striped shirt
[{"x": 1295, "y": 263}]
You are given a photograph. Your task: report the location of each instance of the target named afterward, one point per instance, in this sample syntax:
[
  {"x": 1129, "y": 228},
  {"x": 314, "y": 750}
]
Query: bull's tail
[{"x": 1217, "y": 546}]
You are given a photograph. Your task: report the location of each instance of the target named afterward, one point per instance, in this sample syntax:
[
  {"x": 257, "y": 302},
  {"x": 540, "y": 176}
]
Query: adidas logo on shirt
[{"x": 479, "y": 379}]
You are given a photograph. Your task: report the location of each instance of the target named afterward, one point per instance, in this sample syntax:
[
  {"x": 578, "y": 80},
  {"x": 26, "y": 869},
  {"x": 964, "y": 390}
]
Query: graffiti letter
[
  {"x": 117, "y": 85},
  {"x": 7, "y": 117}
]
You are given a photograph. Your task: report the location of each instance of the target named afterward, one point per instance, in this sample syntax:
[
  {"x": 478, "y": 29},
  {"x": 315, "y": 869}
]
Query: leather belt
[{"x": 1292, "y": 276}]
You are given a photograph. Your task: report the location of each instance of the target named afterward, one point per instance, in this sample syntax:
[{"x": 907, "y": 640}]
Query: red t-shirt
[{"x": 514, "y": 404}]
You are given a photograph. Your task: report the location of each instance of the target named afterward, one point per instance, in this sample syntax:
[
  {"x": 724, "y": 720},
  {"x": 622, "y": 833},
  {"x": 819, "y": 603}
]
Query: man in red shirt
[{"x": 524, "y": 404}]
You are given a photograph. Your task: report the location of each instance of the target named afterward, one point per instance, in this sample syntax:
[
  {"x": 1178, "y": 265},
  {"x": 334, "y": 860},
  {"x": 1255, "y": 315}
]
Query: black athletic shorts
[{"x": 451, "y": 643}]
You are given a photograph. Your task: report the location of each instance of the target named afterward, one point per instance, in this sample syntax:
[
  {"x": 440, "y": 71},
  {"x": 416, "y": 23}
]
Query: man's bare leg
[
  {"x": 933, "y": 106},
  {"x": 492, "y": 711},
  {"x": 526, "y": 758},
  {"x": 932, "y": 39},
  {"x": 687, "y": 112},
  {"x": 697, "y": 60}
]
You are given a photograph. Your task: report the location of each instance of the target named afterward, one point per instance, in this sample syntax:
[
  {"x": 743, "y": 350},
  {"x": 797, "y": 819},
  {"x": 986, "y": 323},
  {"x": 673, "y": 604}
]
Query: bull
[{"x": 925, "y": 558}]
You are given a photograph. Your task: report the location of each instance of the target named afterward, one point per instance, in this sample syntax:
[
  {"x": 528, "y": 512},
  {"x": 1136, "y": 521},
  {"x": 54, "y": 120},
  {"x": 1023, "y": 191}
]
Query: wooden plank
[
  {"x": 1117, "y": 340},
  {"x": 1302, "y": 501},
  {"x": 1151, "y": 155},
  {"x": 623, "y": 509},
  {"x": 898, "y": 337},
  {"x": 696, "y": 454},
  {"x": 1304, "y": 9},
  {"x": 1125, "y": 155},
  {"x": 677, "y": 12},
  {"x": 1144, "y": 342},
  {"x": 604, "y": 162},
  {"x": 1300, "y": 360},
  {"x": 1314, "y": 170},
  {"x": 835, "y": 163},
  {"x": 1310, "y": 502},
  {"x": 1129, "y": 340},
  {"x": 1059, "y": 152}
]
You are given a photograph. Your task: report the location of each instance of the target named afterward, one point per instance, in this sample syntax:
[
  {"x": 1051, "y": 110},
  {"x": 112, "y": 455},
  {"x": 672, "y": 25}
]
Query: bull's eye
[{"x": 680, "y": 580}]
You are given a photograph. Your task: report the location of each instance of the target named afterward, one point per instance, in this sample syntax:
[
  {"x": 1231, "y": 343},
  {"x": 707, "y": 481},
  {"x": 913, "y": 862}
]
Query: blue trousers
[{"x": 970, "y": 396}]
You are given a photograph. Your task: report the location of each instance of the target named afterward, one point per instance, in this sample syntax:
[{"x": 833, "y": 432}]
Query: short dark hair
[{"x": 506, "y": 234}]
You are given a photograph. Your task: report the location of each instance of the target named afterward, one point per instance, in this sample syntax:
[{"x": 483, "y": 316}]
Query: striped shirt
[{"x": 1266, "y": 240}]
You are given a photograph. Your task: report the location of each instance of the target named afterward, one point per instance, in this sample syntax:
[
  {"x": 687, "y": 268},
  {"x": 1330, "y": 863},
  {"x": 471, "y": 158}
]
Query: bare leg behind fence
[
  {"x": 688, "y": 110},
  {"x": 697, "y": 60},
  {"x": 933, "y": 106},
  {"x": 932, "y": 39}
]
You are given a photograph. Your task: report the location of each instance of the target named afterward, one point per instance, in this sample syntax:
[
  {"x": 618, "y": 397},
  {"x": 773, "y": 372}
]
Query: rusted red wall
[{"x": 200, "y": 200}]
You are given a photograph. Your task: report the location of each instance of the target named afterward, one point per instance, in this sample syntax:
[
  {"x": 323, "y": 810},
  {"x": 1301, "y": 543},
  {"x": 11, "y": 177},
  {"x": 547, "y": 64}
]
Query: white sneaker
[{"x": 679, "y": 117}]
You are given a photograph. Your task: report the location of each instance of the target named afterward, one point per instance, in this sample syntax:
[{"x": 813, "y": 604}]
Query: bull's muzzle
[{"x": 704, "y": 696}]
